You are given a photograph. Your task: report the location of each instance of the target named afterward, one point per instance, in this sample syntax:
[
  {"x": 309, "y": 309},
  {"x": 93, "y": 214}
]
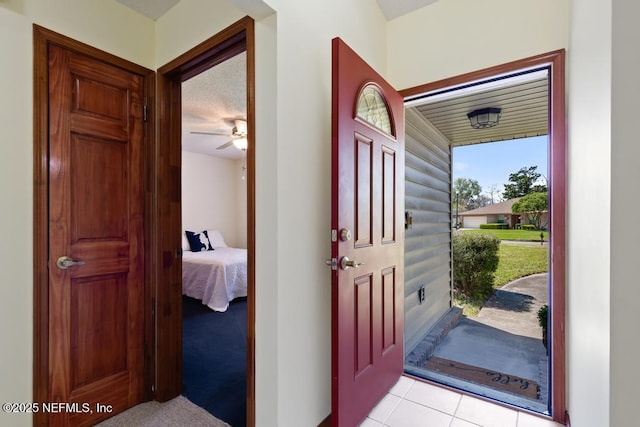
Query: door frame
[
  {"x": 42, "y": 38},
  {"x": 555, "y": 62},
  {"x": 236, "y": 38}
]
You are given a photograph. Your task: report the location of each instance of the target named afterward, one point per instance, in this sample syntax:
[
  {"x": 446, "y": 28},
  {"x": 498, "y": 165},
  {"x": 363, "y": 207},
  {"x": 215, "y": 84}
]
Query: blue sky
[{"x": 491, "y": 163}]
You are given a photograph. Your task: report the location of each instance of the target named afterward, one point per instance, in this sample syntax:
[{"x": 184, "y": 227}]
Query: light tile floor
[{"x": 414, "y": 403}]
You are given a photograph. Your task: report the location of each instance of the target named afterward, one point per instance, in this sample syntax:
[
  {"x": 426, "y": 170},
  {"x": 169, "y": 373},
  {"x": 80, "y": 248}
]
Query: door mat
[{"x": 485, "y": 377}]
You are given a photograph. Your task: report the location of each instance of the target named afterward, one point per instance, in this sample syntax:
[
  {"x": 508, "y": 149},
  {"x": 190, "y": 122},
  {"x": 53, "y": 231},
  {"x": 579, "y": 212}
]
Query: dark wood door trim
[
  {"x": 555, "y": 62},
  {"x": 42, "y": 38},
  {"x": 167, "y": 220}
]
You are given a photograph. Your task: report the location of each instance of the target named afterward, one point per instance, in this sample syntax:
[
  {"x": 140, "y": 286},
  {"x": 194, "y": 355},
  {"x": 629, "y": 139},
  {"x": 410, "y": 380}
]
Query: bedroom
[{"x": 214, "y": 198}]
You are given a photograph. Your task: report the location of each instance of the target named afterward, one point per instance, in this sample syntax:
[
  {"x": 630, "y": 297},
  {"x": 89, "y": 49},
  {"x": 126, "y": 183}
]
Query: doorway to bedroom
[
  {"x": 206, "y": 118},
  {"x": 214, "y": 236}
]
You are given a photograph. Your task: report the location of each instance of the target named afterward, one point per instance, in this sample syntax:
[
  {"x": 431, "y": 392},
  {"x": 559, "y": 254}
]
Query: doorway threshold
[{"x": 478, "y": 390}]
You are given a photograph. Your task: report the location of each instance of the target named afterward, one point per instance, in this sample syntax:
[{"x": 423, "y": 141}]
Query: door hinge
[{"x": 145, "y": 113}]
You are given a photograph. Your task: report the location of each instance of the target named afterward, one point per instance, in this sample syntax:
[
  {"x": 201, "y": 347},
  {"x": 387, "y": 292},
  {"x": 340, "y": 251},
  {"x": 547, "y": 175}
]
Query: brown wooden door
[
  {"x": 367, "y": 200},
  {"x": 96, "y": 321}
]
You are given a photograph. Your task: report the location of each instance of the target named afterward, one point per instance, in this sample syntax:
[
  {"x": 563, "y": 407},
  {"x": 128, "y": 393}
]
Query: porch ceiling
[{"x": 524, "y": 101}]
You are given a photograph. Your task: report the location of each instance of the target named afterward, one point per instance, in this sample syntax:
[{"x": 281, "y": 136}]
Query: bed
[{"x": 215, "y": 276}]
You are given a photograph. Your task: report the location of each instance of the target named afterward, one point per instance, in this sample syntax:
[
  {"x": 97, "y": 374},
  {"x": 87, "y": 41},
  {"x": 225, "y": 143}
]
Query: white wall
[
  {"x": 589, "y": 257},
  {"x": 452, "y": 37},
  {"x": 213, "y": 197},
  {"x": 303, "y": 180},
  {"x": 93, "y": 23}
]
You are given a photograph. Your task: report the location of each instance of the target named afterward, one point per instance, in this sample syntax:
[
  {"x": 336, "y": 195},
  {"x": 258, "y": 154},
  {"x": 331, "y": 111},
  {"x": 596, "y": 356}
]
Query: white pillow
[{"x": 215, "y": 239}]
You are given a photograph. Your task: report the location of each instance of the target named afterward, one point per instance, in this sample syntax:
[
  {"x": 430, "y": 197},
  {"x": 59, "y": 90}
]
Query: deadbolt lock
[{"x": 345, "y": 234}]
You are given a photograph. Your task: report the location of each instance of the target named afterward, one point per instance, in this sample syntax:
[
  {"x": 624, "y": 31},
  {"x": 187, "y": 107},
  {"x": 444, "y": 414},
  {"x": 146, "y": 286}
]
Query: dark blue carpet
[{"x": 214, "y": 359}]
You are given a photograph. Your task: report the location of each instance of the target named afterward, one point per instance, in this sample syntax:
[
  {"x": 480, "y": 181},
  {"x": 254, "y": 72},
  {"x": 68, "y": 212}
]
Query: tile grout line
[
  {"x": 457, "y": 406},
  {"x": 384, "y": 422}
]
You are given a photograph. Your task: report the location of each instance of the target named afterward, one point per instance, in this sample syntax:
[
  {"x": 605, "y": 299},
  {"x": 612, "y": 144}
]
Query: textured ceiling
[{"x": 211, "y": 101}]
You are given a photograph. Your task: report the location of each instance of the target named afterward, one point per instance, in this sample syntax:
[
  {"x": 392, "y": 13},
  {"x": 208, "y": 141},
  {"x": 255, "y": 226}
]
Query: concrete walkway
[
  {"x": 514, "y": 307},
  {"x": 504, "y": 337}
]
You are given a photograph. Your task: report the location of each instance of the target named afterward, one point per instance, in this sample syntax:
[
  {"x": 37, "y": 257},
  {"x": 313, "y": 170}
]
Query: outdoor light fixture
[{"x": 484, "y": 118}]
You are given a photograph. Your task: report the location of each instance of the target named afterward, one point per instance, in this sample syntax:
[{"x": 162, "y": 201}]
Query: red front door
[{"x": 367, "y": 242}]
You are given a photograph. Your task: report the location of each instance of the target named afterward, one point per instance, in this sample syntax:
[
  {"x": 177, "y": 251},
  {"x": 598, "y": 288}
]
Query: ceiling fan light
[
  {"x": 484, "y": 118},
  {"x": 240, "y": 128},
  {"x": 241, "y": 143}
]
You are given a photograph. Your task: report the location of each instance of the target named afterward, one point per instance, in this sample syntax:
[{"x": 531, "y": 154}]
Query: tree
[
  {"x": 493, "y": 192},
  {"x": 534, "y": 206},
  {"x": 466, "y": 192},
  {"x": 523, "y": 183},
  {"x": 483, "y": 200}
]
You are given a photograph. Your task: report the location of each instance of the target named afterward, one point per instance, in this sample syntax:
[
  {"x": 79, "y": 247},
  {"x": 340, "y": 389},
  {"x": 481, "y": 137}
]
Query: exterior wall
[{"x": 428, "y": 243}]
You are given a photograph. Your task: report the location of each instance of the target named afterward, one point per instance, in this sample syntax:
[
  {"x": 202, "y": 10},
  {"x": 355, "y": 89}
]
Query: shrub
[
  {"x": 543, "y": 313},
  {"x": 475, "y": 259},
  {"x": 528, "y": 227},
  {"x": 495, "y": 226}
]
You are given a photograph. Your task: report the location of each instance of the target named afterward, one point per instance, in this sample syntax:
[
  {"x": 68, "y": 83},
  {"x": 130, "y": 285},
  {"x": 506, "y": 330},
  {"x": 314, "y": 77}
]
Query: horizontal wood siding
[{"x": 428, "y": 241}]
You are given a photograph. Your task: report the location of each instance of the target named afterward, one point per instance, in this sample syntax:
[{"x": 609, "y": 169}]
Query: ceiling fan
[{"x": 238, "y": 134}]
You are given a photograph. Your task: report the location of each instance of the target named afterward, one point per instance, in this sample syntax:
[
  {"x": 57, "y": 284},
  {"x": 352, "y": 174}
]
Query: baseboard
[{"x": 326, "y": 422}]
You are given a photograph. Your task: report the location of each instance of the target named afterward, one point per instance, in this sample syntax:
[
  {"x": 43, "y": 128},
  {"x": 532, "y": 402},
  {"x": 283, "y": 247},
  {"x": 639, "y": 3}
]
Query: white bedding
[{"x": 215, "y": 277}]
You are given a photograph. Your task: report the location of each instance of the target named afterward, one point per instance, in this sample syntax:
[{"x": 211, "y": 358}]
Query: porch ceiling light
[{"x": 484, "y": 118}]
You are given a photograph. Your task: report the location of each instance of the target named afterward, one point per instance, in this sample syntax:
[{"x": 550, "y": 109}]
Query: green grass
[
  {"x": 522, "y": 235},
  {"x": 519, "y": 261},
  {"x": 515, "y": 262}
]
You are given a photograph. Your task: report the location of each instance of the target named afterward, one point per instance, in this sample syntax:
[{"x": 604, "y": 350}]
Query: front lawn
[
  {"x": 521, "y": 235},
  {"x": 515, "y": 262}
]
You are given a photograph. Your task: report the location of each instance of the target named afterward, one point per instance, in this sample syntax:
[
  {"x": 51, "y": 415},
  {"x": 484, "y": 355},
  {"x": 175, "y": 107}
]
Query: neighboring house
[
  {"x": 500, "y": 213},
  {"x": 293, "y": 155}
]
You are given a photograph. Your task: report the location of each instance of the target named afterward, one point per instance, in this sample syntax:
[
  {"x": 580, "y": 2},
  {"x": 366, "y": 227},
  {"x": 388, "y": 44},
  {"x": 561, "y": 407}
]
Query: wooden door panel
[
  {"x": 364, "y": 293},
  {"x": 98, "y": 351},
  {"x": 96, "y": 310},
  {"x": 388, "y": 205},
  {"x": 363, "y": 191},
  {"x": 388, "y": 317},
  {"x": 99, "y": 183}
]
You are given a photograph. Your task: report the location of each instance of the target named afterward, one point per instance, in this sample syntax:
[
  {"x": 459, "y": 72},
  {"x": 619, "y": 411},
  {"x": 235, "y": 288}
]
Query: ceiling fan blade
[
  {"x": 225, "y": 145},
  {"x": 209, "y": 133}
]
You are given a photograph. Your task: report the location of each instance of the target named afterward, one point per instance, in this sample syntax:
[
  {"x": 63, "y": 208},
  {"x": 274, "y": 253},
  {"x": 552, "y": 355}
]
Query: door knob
[
  {"x": 65, "y": 262},
  {"x": 345, "y": 263}
]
